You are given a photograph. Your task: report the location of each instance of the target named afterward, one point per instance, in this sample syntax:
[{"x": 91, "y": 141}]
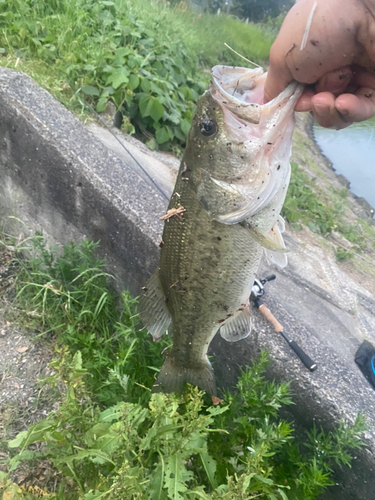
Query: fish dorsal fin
[
  {"x": 152, "y": 308},
  {"x": 272, "y": 240},
  {"x": 238, "y": 326}
]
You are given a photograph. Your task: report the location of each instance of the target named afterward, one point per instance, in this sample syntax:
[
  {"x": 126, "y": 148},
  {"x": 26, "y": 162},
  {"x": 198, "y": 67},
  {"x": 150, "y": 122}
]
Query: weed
[
  {"x": 343, "y": 254},
  {"x": 110, "y": 438},
  {"x": 141, "y": 55},
  {"x": 69, "y": 296},
  {"x": 174, "y": 447},
  {"x": 302, "y": 204}
]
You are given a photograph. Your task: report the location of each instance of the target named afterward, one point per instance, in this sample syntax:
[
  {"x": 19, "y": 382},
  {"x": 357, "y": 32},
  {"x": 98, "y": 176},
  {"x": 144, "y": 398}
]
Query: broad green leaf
[
  {"x": 99, "y": 430},
  {"x": 145, "y": 85},
  {"x": 246, "y": 482},
  {"x": 82, "y": 454},
  {"x": 156, "y": 89},
  {"x": 36, "y": 433},
  {"x": 102, "y": 103},
  {"x": 133, "y": 81},
  {"x": 173, "y": 117},
  {"x": 199, "y": 493},
  {"x": 162, "y": 135},
  {"x": 90, "y": 90},
  {"x": 18, "y": 440},
  {"x": 112, "y": 413},
  {"x": 153, "y": 145},
  {"x": 155, "y": 489},
  {"x": 176, "y": 476},
  {"x": 157, "y": 109},
  {"x": 179, "y": 134},
  {"x": 185, "y": 126},
  {"x": 264, "y": 479},
  {"x": 108, "y": 444},
  {"x": 125, "y": 51},
  {"x": 145, "y": 104},
  {"x": 117, "y": 79},
  {"x": 210, "y": 466}
]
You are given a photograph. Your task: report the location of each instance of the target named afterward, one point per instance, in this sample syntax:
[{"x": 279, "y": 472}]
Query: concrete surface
[{"x": 57, "y": 176}]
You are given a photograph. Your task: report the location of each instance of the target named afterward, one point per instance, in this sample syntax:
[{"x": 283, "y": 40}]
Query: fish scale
[{"x": 217, "y": 271}]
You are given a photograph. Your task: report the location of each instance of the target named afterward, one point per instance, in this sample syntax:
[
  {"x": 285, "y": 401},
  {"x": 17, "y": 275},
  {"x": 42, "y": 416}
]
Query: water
[{"x": 352, "y": 154}]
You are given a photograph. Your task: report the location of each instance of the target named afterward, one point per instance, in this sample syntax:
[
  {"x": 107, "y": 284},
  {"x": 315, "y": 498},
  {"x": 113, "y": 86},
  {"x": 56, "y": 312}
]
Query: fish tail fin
[{"x": 172, "y": 377}]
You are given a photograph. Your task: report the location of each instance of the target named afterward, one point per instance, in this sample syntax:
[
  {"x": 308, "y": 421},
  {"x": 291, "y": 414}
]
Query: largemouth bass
[{"x": 223, "y": 212}]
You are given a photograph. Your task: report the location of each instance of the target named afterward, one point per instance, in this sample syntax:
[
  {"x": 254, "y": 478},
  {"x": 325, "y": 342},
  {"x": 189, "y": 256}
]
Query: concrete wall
[{"x": 57, "y": 178}]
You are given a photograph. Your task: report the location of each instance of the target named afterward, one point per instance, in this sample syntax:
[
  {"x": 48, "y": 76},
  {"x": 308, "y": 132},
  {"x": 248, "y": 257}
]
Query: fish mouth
[
  {"x": 240, "y": 91},
  {"x": 264, "y": 132}
]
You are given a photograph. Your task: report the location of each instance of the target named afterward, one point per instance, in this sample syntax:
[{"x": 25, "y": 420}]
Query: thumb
[{"x": 277, "y": 80}]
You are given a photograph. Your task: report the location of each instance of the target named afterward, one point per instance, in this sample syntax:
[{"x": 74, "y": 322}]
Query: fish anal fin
[
  {"x": 152, "y": 308},
  {"x": 238, "y": 326},
  {"x": 172, "y": 376}
]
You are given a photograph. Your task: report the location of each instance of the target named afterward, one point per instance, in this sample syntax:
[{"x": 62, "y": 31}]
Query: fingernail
[{"x": 321, "y": 109}]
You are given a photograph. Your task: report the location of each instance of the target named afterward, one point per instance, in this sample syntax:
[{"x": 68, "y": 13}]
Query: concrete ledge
[
  {"x": 57, "y": 178},
  {"x": 60, "y": 179}
]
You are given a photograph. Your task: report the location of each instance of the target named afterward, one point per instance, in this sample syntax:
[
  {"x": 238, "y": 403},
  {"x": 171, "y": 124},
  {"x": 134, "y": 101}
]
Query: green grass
[
  {"x": 109, "y": 438},
  {"x": 144, "y": 56},
  {"x": 303, "y": 205}
]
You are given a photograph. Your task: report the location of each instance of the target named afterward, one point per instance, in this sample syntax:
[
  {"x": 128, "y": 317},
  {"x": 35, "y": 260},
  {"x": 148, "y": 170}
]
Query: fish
[{"x": 223, "y": 213}]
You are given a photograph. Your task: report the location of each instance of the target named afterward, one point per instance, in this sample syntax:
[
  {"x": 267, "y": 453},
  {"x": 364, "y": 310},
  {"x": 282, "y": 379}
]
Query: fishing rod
[{"x": 257, "y": 291}]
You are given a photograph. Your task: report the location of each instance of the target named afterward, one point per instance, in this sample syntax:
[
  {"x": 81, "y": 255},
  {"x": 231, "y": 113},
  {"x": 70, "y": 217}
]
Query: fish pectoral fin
[
  {"x": 152, "y": 308},
  {"x": 238, "y": 326},
  {"x": 271, "y": 241},
  {"x": 278, "y": 258}
]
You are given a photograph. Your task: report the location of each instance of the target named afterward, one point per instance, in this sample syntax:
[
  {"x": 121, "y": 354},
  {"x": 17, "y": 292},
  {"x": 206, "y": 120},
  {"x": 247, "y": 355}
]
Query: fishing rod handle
[
  {"x": 271, "y": 318},
  {"x": 306, "y": 360}
]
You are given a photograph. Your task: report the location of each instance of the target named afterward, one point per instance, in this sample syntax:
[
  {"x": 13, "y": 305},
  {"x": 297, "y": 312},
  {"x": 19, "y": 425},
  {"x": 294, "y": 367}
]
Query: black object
[
  {"x": 365, "y": 359},
  {"x": 256, "y": 292}
]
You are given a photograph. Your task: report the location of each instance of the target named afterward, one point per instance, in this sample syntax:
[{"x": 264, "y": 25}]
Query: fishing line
[
  {"x": 243, "y": 57},
  {"x": 85, "y": 103}
]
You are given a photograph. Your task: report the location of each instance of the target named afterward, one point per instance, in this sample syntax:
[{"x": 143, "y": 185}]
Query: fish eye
[{"x": 207, "y": 127}]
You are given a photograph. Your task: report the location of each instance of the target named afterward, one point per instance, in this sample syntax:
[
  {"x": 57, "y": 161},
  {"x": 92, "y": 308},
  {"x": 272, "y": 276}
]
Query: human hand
[{"x": 337, "y": 62}]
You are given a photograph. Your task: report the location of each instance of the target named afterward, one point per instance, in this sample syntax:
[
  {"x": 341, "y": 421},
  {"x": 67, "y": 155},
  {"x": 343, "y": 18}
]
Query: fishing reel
[{"x": 258, "y": 286}]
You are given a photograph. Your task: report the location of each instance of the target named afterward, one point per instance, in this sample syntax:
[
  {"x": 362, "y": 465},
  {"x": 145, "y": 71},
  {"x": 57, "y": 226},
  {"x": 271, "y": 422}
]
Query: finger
[
  {"x": 304, "y": 103},
  {"x": 278, "y": 78},
  {"x": 325, "y": 111},
  {"x": 335, "y": 81},
  {"x": 357, "y": 107}
]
